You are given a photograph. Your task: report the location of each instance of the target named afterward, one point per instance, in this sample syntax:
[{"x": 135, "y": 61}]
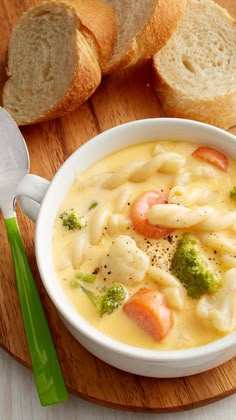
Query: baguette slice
[
  {"x": 195, "y": 73},
  {"x": 55, "y": 58},
  {"x": 143, "y": 28}
]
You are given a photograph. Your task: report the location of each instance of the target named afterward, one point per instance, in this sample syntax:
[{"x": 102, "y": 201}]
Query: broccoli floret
[
  {"x": 233, "y": 193},
  {"x": 190, "y": 267},
  {"x": 109, "y": 301},
  {"x": 71, "y": 220}
]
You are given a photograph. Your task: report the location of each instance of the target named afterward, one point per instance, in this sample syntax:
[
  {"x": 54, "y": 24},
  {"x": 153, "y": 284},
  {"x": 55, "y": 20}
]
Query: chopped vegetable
[
  {"x": 139, "y": 212},
  {"x": 233, "y": 193},
  {"x": 148, "y": 308},
  {"x": 75, "y": 283},
  {"x": 124, "y": 260},
  {"x": 213, "y": 156},
  {"x": 93, "y": 205},
  {"x": 191, "y": 268},
  {"x": 108, "y": 301},
  {"x": 87, "y": 277},
  {"x": 71, "y": 220}
]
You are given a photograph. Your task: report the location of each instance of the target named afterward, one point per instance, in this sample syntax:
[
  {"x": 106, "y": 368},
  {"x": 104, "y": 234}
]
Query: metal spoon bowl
[{"x": 14, "y": 166}]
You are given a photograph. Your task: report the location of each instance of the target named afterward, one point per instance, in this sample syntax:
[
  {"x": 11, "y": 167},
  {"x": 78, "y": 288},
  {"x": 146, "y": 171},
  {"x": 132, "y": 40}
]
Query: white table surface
[{"x": 19, "y": 401}]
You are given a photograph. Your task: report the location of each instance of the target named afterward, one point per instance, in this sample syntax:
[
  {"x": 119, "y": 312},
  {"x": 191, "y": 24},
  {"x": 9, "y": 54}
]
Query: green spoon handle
[{"x": 47, "y": 372}]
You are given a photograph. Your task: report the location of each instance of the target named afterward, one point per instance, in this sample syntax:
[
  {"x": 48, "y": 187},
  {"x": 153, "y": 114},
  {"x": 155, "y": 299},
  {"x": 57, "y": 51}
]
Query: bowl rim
[{"x": 75, "y": 319}]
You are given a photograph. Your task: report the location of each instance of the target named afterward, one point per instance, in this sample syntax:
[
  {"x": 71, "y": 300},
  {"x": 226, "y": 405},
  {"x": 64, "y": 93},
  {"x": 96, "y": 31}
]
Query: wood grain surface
[{"x": 125, "y": 96}]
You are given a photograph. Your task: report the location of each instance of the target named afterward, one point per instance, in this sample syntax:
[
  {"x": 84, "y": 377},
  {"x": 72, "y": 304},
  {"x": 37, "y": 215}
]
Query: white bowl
[{"x": 153, "y": 363}]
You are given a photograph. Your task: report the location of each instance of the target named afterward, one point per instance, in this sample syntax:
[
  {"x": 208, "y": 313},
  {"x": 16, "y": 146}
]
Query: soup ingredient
[
  {"x": 148, "y": 308},
  {"x": 213, "y": 156},
  {"x": 88, "y": 278},
  {"x": 139, "y": 212},
  {"x": 124, "y": 262},
  {"x": 233, "y": 193},
  {"x": 191, "y": 268},
  {"x": 220, "y": 310},
  {"x": 71, "y": 220},
  {"x": 93, "y": 205},
  {"x": 193, "y": 79},
  {"x": 108, "y": 301}
]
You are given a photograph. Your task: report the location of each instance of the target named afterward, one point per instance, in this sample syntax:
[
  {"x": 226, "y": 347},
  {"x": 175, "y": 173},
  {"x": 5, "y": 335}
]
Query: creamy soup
[{"x": 97, "y": 242}]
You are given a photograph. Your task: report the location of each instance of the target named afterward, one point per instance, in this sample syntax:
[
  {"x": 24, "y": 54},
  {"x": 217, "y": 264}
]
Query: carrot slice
[
  {"x": 139, "y": 211},
  {"x": 213, "y": 156},
  {"x": 148, "y": 308}
]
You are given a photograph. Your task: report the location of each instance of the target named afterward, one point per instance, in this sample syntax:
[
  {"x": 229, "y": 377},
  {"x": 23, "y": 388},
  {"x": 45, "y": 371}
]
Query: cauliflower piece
[
  {"x": 220, "y": 309},
  {"x": 124, "y": 262}
]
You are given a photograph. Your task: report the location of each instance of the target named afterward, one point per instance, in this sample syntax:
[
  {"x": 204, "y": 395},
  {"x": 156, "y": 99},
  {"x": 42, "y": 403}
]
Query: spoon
[{"x": 46, "y": 369}]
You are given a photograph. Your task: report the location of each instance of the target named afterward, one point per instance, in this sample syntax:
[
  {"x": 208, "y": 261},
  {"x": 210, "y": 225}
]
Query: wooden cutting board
[{"x": 125, "y": 96}]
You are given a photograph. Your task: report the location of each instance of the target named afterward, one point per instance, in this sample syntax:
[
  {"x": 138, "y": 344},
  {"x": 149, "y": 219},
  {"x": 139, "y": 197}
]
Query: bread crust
[
  {"x": 163, "y": 21},
  {"x": 162, "y": 24},
  {"x": 93, "y": 48},
  {"x": 94, "y": 16},
  {"x": 219, "y": 111}
]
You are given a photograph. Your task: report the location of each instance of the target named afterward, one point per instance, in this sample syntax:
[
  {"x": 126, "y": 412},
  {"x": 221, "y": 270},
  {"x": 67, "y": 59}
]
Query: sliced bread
[
  {"x": 55, "y": 58},
  {"x": 143, "y": 28},
  {"x": 195, "y": 73}
]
